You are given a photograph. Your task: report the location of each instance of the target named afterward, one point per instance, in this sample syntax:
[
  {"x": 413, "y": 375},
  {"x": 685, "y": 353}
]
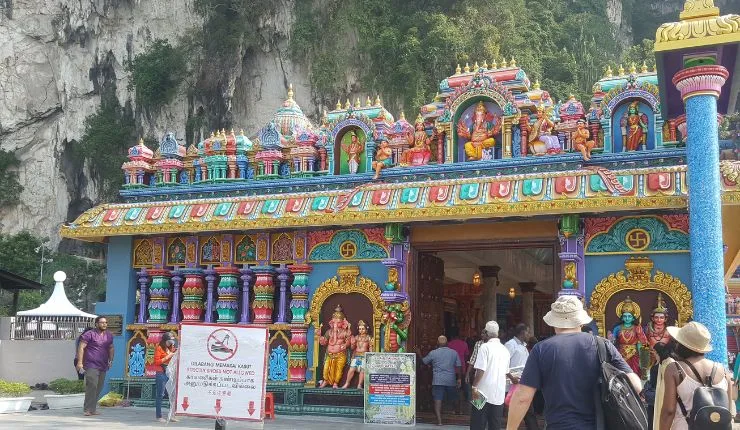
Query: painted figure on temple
[
  {"x": 353, "y": 150},
  {"x": 360, "y": 345},
  {"x": 580, "y": 140},
  {"x": 628, "y": 335},
  {"x": 420, "y": 153},
  {"x": 541, "y": 140},
  {"x": 634, "y": 128},
  {"x": 655, "y": 330},
  {"x": 337, "y": 340},
  {"x": 383, "y": 158},
  {"x": 480, "y": 133}
]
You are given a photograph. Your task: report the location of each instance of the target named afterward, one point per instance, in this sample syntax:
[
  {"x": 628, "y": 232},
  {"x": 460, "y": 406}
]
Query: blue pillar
[
  {"x": 700, "y": 87},
  {"x": 120, "y": 299}
]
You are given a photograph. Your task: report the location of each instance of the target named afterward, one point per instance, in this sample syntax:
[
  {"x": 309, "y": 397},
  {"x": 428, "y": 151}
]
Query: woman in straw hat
[{"x": 692, "y": 342}]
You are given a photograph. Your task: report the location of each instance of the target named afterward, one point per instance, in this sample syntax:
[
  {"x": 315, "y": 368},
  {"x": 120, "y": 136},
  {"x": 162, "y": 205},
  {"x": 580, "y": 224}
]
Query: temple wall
[{"x": 36, "y": 361}]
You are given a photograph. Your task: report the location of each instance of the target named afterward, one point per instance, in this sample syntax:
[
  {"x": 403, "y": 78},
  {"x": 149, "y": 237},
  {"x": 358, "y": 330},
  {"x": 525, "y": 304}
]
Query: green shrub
[
  {"x": 13, "y": 389},
  {"x": 67, "y": 386},
  {"x": 10, "y": 188},
  {"x": 156, "y": 74}
]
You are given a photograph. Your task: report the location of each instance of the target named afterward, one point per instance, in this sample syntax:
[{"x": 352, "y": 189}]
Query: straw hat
[
  {"x": 693, "y": 336},
  {"x": 567, "y": 312}
]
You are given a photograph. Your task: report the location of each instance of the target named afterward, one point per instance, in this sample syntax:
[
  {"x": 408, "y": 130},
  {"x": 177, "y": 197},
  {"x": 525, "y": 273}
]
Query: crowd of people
[{"x": 565, "y": 371}]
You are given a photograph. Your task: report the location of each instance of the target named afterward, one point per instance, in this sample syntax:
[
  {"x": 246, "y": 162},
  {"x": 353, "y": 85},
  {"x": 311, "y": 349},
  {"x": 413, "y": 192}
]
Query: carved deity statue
[
  {"x": 580, "y": 140},
  {"x": 383, "y": 158},
  {"x": 361, "y": 344},
  {"x": 480, "y": 134},
  {"x": 655, "y": 330},
  {"x": 353, "y": 150},
  {"x": 634, "y": 128},
  {"x": 420, "y": 153},
  {"x": 337, "y": 340},
  {"x": 541, "y": 140},
  {"x": 628, "y": 335}
]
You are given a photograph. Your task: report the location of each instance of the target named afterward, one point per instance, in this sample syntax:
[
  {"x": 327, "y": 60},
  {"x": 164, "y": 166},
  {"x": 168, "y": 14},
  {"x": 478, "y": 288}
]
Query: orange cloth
[{"x": 159, "y": 358}]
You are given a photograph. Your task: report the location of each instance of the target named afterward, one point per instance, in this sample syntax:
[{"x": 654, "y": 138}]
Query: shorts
[
  {"x": 356, "y": 362},
  {"x": 444, "y": 392}
]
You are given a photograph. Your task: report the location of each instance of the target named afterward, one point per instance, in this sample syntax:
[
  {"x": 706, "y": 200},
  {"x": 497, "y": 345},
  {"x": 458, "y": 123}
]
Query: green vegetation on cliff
[
  {"x": 157, "y": 73},
  {"x": 10, "y": 188}
]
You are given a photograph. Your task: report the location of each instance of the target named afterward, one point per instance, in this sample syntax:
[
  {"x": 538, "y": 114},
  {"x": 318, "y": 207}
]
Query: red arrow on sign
[
  {"x": 185, "y": 403},
  {"x": 218, "y": 406},
  {"x": 251, "y": 408}
]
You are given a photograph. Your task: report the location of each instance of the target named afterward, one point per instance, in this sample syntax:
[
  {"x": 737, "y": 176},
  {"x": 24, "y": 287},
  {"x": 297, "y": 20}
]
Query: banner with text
[
  {"x": 390, "y": 388},
  {"x": 221, "y": 371}
]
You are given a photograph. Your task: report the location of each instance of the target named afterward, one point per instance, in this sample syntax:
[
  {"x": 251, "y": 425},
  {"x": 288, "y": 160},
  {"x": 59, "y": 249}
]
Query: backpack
[
  {"x": 621, "y": 405},
  {"x": 710, "y": 405}
]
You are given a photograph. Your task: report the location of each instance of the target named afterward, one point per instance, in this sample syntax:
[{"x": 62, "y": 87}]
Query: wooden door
[{"x": 429, "y": 320}]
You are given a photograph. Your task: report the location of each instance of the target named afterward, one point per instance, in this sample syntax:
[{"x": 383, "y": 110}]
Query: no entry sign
[{"x": 221, "y": 372}]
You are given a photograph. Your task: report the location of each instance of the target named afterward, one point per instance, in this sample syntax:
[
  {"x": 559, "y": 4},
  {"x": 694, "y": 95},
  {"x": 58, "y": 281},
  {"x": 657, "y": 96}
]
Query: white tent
[{"x": 58, "y": 304}]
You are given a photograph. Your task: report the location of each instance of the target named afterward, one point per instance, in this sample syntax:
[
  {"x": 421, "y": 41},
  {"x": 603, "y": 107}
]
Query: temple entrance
[{"x": 459, "y": 289}]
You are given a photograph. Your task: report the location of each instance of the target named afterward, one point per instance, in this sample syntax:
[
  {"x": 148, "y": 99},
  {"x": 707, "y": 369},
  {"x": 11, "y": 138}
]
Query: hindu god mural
[{"x": 476, "y": 130}]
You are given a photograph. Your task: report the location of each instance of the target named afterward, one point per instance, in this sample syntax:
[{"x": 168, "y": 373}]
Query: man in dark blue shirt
[{"x": 566, "y": 369}]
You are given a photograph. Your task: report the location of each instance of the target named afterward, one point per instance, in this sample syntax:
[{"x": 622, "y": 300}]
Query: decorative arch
[
  {"x": 339, "y": 129},
  {"x": 282, "y": 248},
  {"x": 482, "y": 87},
  {"x": 364, "y": 249},
  {"x": 176, "y": 252},
  {"x": 639, "y": 278},
  {"x": 210, "y": 251},
  {"x": 246, "y": 250},
  {"x": 660, "y": 236},
  {"x": 632, "y": 89},
  {"x": 143, "y": 253}
]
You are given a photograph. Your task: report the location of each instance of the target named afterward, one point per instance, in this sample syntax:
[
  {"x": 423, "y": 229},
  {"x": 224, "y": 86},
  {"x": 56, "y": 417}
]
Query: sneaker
[
  {"x": 161, "y": 420},
  {"x": 174, "y": 420}
]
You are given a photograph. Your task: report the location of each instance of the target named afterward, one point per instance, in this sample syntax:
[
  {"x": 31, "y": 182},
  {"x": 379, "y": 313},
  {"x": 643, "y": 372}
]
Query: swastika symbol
[
  {"x": 637, "y": 239},
  {"x": 347, "y": 249}
]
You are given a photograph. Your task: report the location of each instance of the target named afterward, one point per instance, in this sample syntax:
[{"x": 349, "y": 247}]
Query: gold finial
[
  {"x": 571, "y": 97},
  {"x": 655, "y": 67},
  {"x": 141, "y": 141},
  {"x": 609, "y": 72},
  {"x": 357, "y": 103},
  {"x": 339, "y": 104},
  {"x": 620, "y": 70},
  {"x": 325, "y": 118},
  {"x": 377, "y": 100},
  {"x": 512, "y": 63},
  {"x": 633, "y": 68},
  {"x": 458, "y": 70},
  {"x": 347, "y": 104},
  {"x": 536, "y": 85},
  {"x": 494, "y": 66},
  {"x": 698, "y": 9},
  {"x": 504, "y": 64},
  {"x": 223, "y": 132},
  {"x": 467, "y": 68},
  {"x": 476, "y": 66},
  {"x": 401, "y": 116},
  {"x": 368, "y": 102},
  {"x": 232, "y": 132},
  {"x": 290, "y": 91},
  {"x": 644, "y": 68},
  {"x": 485, "y": 64},
  {"x": 241, "y": 132}
]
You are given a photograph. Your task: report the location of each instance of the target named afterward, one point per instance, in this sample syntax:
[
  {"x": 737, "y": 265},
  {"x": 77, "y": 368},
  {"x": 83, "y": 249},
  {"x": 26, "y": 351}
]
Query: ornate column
[
  {"x": 283, "y": 276},
  {"x": 489, "y": 283},
  {"x": 210, "y": 283},
  {"x": 524, "y": 127},
  {"x": 228, "y": 291},
  {"x": 506, "y": 137},
  {"x": 572, "y": 258},
  {"x": 159, "y": 302},
  {"x": 527, "y": 289},
  {"x": 299, "y": 293},
  {"x": 192, "y": 291},
  {"x": 700, "y": 87},
  {"x": 176, "y": 281},
  {"x": 143, "y": 282},
  {"x": 247, "y": 277},
  {"x": 264, "y": 292},
  {"x": 297, "y": 354}
]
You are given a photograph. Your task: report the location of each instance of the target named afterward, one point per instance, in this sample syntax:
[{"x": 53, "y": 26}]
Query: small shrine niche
[
  {"x": 633, "y": 127},
  {"x": 349, "y": 150},
  {"x": 478, "y": 131}
]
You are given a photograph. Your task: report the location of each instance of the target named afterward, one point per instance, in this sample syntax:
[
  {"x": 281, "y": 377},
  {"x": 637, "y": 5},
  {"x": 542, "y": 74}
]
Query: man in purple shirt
[{"x": 94, "y": 357}]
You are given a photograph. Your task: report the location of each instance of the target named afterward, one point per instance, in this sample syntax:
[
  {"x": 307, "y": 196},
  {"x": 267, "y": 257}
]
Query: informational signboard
[
  {"x": 115, "y": 324},
  {"x": 221, "y": 371},
  {"x": 390, "y": 388}
]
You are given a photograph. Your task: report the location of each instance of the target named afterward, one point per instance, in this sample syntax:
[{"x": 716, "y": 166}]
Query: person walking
[
  {"x": 470, "y": 373},
  {"x": 660, "y": 352},
  {"x": 94, "y": 357},
  {"x": 459, "y": 345},
  {"x": 162, "y": 355},
  {"x": 685, "y": 375},
  {"x": 517, "y": 347},
  {"x": 491, "y": 370},
  {"x": 446, "y": 374},
  {"x": 566, "y": 368},
  {"x": 80, "y": 375}
]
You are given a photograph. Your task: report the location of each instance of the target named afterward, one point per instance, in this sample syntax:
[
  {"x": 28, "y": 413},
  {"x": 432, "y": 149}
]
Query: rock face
[{"x": 56, "y": 54}]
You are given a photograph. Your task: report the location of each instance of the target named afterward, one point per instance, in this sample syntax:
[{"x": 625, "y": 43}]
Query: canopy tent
[
  {"x": 58, "y": 304},
  {"x": 15, "y": 283}
]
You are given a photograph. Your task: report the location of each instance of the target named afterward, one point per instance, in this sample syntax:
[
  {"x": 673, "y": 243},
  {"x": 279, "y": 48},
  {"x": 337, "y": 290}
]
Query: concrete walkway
[{"x": 143, "y": 419}]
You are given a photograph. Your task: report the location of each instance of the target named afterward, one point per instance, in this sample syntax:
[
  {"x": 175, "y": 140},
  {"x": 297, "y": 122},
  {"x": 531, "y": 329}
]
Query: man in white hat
[
  {"x": 566, "y": 369},
  {"x": 491, "y": 369}
]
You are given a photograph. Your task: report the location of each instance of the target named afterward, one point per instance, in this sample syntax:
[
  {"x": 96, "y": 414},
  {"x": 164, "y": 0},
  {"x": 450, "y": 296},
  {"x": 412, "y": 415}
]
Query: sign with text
[
  {"x": 221, "y": 371},
  {"x": 115, "y": 324},
  {"x": 390, "y": 388}
]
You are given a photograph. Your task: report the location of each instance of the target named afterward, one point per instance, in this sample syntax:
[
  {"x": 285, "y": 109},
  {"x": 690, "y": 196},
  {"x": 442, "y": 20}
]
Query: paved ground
[{"x": 143, "y": 419}]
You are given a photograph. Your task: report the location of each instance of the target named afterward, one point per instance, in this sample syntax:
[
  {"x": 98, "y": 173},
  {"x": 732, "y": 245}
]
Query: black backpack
[
  {"x": 710, "y": 405},
  {"x": 621, "y": 405}
]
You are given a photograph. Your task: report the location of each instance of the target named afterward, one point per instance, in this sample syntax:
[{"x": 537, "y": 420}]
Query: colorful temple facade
[{"x": 313, "y": 230}]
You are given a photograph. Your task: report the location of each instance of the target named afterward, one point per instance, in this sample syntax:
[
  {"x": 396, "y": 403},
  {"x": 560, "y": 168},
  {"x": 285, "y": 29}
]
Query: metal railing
[{"x": 49, "y": 328}]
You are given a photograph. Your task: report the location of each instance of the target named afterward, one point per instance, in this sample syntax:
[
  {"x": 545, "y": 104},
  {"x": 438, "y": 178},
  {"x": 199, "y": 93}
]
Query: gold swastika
[{"x": 637, "y": 239}]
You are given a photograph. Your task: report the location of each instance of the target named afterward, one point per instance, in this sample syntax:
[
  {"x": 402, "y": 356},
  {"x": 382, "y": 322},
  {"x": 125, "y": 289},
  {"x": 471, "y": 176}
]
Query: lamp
[
  {"x": 512, "y": 293},
  {"x": 476, "y": 278}
]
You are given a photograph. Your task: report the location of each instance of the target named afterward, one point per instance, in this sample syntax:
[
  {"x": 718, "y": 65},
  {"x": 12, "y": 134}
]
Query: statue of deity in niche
[
  {"x": 383, "y": 158},
  {"x": 354, "y": 148},
  {"x": 420, "y": 153},
  {"x": 480, "y": 134},
  {"x": 628, "y": 335},
  {"x": 580, "y": 140},
  {"x": 634, "y": 128},
  {"x": 337, "y": 340},
  {"x": 541, "y": 140},
  {"x": 361, "y": 344},
  {"x": 655, "y": 330}
]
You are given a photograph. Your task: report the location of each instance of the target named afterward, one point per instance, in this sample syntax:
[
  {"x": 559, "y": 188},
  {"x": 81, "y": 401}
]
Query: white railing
[{"x": 48, "y": 328}]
